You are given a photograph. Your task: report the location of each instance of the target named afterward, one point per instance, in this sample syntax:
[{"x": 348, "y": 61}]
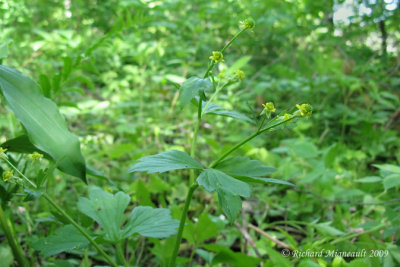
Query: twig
[
  {"x": 273, "y": 239},
  {"x": 248, "y": 238}
]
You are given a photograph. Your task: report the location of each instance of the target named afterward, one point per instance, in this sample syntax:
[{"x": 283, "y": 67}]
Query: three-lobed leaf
[
  {"x": 64, "y": 239},
  {"x": 212, "y": 179},
  {"x": 46, "y": 128},
  {"x": 166, "y": 161},
  {"x": 108, "y": 211},
  {"x": 150, "y": 222},
  {"x": 248, "y": 170}
]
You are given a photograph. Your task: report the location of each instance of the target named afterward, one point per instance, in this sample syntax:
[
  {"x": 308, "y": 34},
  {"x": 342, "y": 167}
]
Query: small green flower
[
  {"x": 217, "y": 56},
  {"x": 305, "y": 109},
  {"x": 35, "y": 156},
  {"x": 7, "y": 175},
  {"x": 269, "y": 107},
  {"x": 248, "y": 23},
  {"x": 239, "y": 75}
]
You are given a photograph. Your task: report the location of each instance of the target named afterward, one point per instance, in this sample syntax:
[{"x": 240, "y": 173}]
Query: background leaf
[
  {"x": 107, "y": 210},
  {"x": 150, "y": 222},
  {"x": 64, "y": 239}
]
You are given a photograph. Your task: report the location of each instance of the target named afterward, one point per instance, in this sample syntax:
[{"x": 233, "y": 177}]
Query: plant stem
[
  {"x": 20, "y": 173},
  {"x": 65, "y": 214},
  {"x": 182, "y": 224},
  {"x": 80, "y": 229},
  {"x": 233, "y": 39},
  {"x": 12, "y": 241},
  {"x": 379, "y": 227},
  {"x": 120, "y": 255},
  {"x": 247, "y": 139}
]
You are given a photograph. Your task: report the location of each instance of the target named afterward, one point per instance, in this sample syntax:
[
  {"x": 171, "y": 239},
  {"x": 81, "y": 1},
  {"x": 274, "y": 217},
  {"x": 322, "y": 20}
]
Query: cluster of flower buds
[
  {"x": 7, "y": 175},
  {"x": 35, "y": 156}
]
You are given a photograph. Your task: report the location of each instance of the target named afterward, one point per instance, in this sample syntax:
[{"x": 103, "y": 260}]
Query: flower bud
[
  {"x": 238, "y": 75},
  {"x": 248, "y": 23},
  {"x": 305, "y": 109},
  {"x": 217, "y": 56},
  {"x": 35, "y": 156},
  {"x": 7, "y": 175}
]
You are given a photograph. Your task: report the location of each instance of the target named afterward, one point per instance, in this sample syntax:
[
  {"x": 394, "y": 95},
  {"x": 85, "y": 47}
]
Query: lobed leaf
[
  {"x": 150, "y": 222},
  {"x": 108, "y": 211},
  {"x": 166, "y": 161},
  {"x": 64, "y": 239},
  {"x": 212, "y": 179}
]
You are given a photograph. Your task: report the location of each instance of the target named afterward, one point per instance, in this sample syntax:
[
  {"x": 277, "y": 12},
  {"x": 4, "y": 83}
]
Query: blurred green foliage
[{"x": 114, "y": 69}]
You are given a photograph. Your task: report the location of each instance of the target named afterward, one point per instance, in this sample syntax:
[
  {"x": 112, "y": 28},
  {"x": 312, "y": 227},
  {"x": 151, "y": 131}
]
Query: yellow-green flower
[
  {"x": 217, "y": 56},
  {"x": 35, "y": 156},
  {"x": 239, "y": 75},
  {"x": 248, "y": 23},
  {"x": 269, "y": 107},
  {"x": 305, "y": 109},
  {"x": 7, "y": 175},
  {"x": 222, "y": 74}
]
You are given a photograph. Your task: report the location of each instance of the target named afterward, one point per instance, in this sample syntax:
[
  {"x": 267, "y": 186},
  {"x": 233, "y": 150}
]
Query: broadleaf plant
[
  {"x": 108, "y": 211},
  {"x": 229, "y": 177}
]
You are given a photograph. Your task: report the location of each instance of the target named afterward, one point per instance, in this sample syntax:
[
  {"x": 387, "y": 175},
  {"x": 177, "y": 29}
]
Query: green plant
[{"x": 229, "y": 177}]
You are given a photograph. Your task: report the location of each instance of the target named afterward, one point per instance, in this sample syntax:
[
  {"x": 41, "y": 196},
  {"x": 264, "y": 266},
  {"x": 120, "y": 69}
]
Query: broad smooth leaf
[
  {"x": 193, "y": 87},
  {"x": 64, "y": 239},
  {"x": 218, "y": 110},
  {"x": 166, "y": 161},
  {"x": 212, "y": 179},
  {"x": 150, "y": 222},
  {"x": 108, "y": 211},
  {"x": 22, "y": 144},
  {"x": 46, "y": 127}
]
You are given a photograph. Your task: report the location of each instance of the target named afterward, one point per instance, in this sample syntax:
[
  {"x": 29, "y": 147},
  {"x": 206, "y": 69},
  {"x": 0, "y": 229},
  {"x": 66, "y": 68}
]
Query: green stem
[
  {"x": 120, "y": 255},
  {"x": 233, "y": 39},
  {"x": 377, "y": 228},
  {"x": 12, "y": 241},
  {"x": 244, "y": 141},
  {"x": 182, "y": 224},
  {"x": 65, "y": 214},
  {"x": 80, "y": 229},
  {"x": 20, "y": 173},
  {"x": 211, "y": 66}
]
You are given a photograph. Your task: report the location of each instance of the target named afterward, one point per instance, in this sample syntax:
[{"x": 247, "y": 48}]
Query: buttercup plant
[{"x": 228, "y": 176}]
